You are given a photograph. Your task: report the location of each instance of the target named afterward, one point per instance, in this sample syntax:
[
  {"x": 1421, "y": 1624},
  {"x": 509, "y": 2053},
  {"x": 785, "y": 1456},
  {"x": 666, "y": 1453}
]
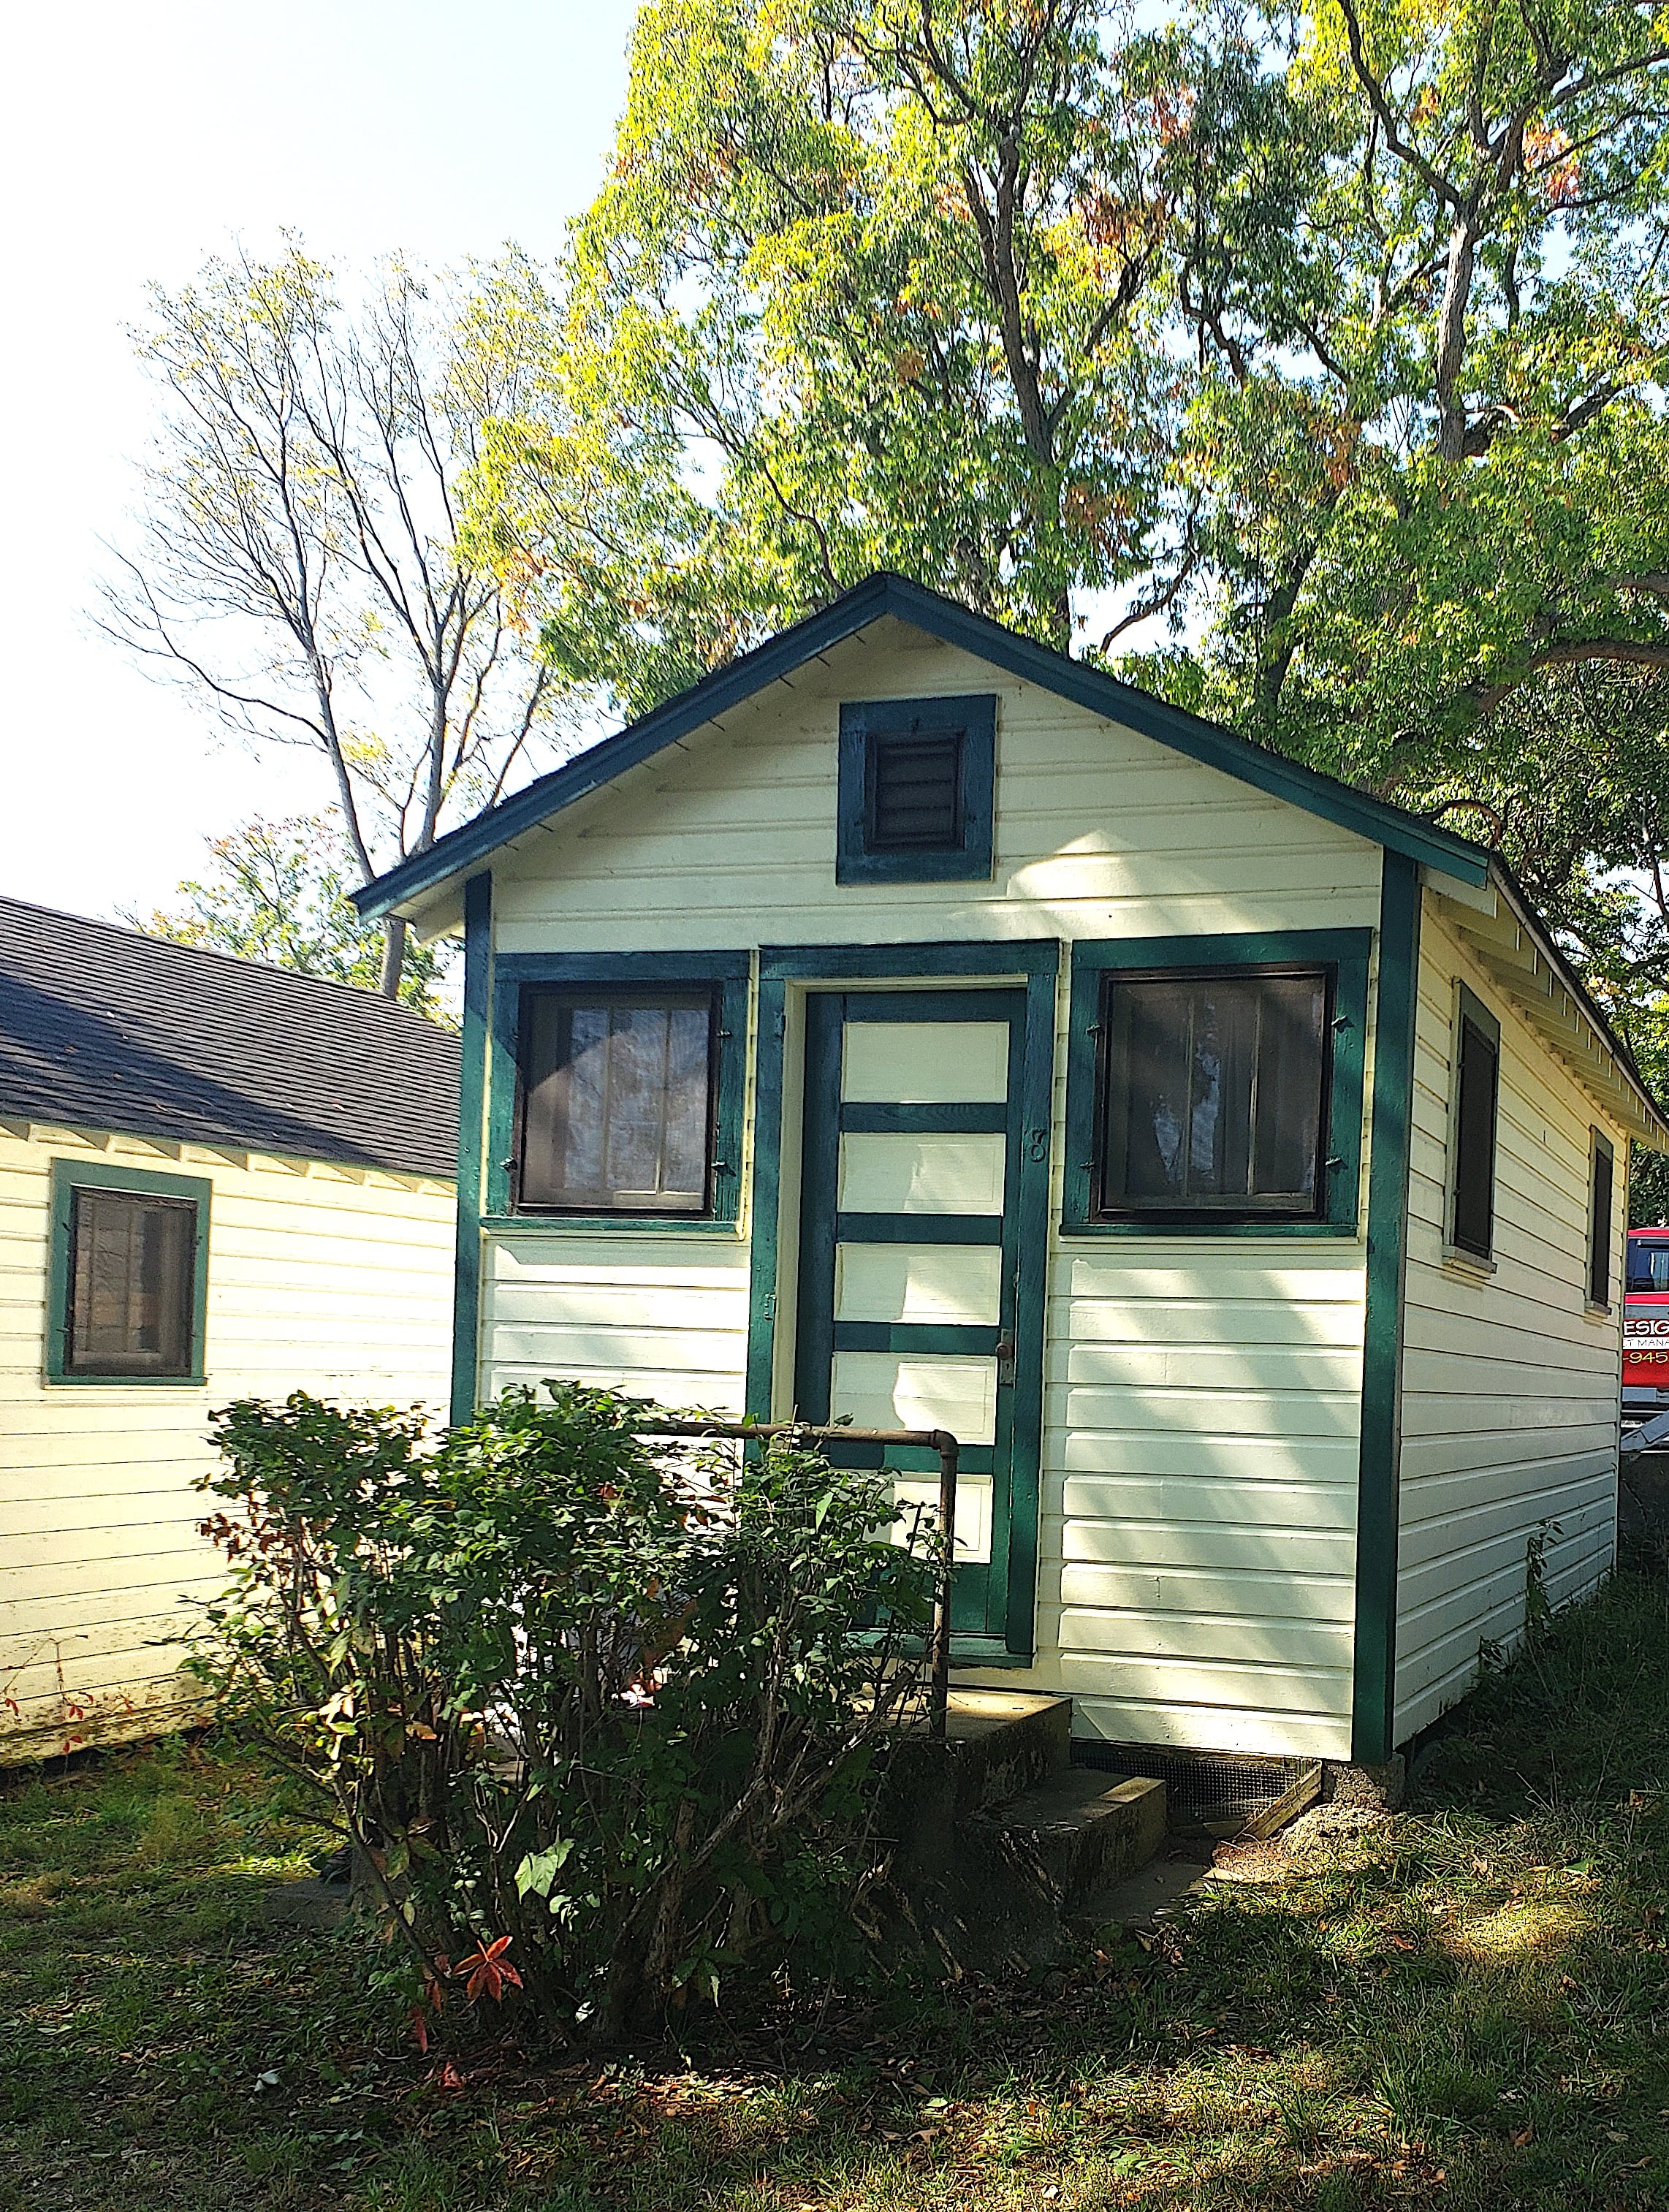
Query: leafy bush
[{"x": 592, "y": 1711}]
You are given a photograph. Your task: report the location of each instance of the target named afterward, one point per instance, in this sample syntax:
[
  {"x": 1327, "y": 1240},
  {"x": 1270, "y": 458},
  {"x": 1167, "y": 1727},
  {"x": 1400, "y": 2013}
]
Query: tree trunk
[
  {"x": 1452, "y": 340},
  {"x": 394, "y": 946}
]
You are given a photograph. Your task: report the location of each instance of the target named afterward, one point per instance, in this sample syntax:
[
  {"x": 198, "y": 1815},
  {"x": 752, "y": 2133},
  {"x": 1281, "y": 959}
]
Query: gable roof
[
  {"x": 885, "y": 594},
  {"x": 104, "y": 1027}
]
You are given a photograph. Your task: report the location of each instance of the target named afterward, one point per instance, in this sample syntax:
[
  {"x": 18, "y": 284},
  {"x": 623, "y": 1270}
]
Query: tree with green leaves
[
  {"x": 277, "y": 892},
  {"x": 867, "y": 286},
  {"x": 1328, "y": 333}
]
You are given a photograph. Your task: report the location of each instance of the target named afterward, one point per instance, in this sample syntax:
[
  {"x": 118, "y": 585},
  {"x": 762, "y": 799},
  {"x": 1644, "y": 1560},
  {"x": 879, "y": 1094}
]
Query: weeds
[{"x": 1467, "y": 2010}]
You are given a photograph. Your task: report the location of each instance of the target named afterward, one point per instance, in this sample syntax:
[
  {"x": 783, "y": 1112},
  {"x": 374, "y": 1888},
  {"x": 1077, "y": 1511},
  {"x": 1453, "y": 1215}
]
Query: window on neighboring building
[
  {"x": 618, "y": 1101},
  {"x": 916, "y": 783},
  {"x": 1213, "y": 1095},
  {"x": 130, "y": 1248},
  {"x": 1472, "y": 1139},
  {"x": 1602, "y": 1174}
]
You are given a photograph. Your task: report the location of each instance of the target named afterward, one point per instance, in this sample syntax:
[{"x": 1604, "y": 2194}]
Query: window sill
[
  {"x": 1594, "y": 1311},
  {"x": 1158, "y": 1231},
  {"x": 126, "y": 1382},
  {"x": 614, "y": 1224},
  {"x": 1467, "y": 1264}
]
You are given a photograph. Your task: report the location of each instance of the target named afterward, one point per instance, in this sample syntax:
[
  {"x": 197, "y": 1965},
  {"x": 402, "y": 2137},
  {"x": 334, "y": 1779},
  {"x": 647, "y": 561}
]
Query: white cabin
[
  {"x": 912, "y": 1024},
  {"x": 217, "y": 1181}
]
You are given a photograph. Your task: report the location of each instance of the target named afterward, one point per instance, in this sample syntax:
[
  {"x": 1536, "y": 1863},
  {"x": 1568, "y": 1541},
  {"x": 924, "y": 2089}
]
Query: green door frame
[{"x": 1034, "y": 964}]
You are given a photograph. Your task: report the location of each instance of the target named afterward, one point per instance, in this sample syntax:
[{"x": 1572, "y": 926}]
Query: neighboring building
[
  {"x": 217, "y": 1179},
  {"x": 912, "y": 1023}
]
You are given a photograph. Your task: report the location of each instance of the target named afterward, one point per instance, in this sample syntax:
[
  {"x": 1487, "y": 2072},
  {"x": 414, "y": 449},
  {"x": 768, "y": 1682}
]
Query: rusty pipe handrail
[{"x": 936, "y": 1440}]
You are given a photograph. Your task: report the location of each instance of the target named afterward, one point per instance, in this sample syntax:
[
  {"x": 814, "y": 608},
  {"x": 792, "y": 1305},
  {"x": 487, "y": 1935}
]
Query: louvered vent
[{"x": 915, "y": 791}]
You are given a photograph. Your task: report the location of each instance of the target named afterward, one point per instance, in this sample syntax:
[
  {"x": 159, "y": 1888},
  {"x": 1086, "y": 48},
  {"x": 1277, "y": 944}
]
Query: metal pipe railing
[{"x": 936, "y": 1440}]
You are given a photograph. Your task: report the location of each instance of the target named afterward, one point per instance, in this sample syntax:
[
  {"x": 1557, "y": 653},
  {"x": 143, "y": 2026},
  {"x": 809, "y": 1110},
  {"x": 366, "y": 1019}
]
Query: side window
[
  {"x": 129, "y": 1254},
  {"x": 917, "y": 778},
  {"x": 618, "y": 1101},
  {"x": 1477, "y": 1093},
  {"x": 1602, "y": 1177},
  {"x": 1213, "y": 1096}
]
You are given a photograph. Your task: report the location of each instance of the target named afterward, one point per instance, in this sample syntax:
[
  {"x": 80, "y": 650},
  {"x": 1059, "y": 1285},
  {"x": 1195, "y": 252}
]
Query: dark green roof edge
[{"x": 886, "y": 594}]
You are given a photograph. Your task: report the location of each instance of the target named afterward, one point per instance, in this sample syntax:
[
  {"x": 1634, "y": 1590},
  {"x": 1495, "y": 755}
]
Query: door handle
[{"x": 1005, "y": 1363}]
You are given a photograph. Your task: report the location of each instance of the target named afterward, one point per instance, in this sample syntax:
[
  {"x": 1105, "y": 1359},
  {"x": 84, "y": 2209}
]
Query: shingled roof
[{"x": 105, "y": 1028}]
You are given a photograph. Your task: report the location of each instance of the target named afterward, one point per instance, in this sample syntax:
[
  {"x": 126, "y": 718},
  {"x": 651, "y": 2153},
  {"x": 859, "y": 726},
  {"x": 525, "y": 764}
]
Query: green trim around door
[
  {"x": 1005, "y": 1632},
  {"x": 1345, "y": 952},
  {"x": 471, "y": 1107},
  {"x": 69, "y": 1175},
  {"x": 1375, "y": 1655}
]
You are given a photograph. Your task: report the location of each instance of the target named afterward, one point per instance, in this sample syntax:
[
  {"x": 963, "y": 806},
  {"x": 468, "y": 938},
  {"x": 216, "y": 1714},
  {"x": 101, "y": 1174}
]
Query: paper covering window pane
[{"x": 618, "y": 1110}]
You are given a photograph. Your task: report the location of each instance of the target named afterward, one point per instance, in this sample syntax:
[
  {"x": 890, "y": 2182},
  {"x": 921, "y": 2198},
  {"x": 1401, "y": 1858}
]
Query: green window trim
[
  {"x": 69, "y": 1175},
  {"x": 727, "y": 974},
  {"x": 1602, "y": 1215},
  {"x": 1344, "y": 951},
  {"x": 865, "y": 723},
  {"x": 1469, "y": 1008}
]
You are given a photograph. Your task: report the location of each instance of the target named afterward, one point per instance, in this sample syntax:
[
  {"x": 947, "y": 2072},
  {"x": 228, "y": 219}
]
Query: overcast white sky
[{"x": 138, "y": 141}]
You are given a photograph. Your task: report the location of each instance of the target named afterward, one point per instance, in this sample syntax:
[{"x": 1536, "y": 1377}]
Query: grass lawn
[{"x": 1470, "y": 2008}]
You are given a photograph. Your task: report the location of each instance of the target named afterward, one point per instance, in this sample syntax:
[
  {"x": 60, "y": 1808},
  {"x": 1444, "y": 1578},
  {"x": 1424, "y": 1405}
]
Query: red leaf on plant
[
  {"x": 488, "y": 1970},
  {"x": 419, "y": 2027}
]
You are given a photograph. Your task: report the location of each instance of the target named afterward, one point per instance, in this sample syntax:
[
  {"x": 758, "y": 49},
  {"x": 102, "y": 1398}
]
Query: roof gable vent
[{"x": 914, "y": 801}]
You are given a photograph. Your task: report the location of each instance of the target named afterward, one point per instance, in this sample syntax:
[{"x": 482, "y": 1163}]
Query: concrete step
[
  {"x": 997, "y": 1744},
  {"x": 1077, "y": 1835},
  {"x": 1005, "y": 1743}
]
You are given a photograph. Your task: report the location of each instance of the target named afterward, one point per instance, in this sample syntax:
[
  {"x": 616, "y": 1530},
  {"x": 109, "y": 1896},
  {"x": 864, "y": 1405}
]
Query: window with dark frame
[
  {"x": 1213, "y": 1095},
  {"x": 618, "y": 1101},
  {"x": 132, "y": 1284},
  {"x": 1477, "y": 1098},
  {"x": 1602, "y": 1175}
]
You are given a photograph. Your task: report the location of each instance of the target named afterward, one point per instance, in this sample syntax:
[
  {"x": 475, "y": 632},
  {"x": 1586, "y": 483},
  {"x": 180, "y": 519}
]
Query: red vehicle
[{"x": 1646, "y": 1325}]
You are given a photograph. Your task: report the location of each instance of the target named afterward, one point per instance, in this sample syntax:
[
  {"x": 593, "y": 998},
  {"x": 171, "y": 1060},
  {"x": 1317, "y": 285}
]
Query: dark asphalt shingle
[{"x": 105, "y": 1028}]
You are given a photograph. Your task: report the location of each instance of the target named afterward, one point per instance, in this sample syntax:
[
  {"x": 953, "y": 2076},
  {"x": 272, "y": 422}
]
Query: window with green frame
[
  {"x": 128, "y": 1275},
  {"x": 617, "y": 1087},
  {"x": 1215, "y": 1084}
]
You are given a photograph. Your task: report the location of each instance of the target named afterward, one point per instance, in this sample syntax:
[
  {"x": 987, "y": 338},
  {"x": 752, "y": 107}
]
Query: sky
[{"x": 139, "y": 141}]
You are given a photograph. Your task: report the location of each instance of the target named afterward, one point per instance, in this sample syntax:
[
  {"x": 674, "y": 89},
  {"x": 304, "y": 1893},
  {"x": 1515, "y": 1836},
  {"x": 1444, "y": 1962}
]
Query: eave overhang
[{"x": 1511, "y": 941}]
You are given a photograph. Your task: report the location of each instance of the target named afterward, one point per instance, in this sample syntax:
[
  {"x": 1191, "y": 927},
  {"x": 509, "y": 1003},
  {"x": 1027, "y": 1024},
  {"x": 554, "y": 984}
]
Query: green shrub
[{"x": 592, "y": 1711}]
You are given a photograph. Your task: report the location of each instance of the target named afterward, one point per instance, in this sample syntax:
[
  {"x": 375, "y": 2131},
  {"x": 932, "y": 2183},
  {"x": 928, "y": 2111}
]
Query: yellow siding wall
[
  {"x": 1201, "y": 1405},
  {"x": 335, "y": 1281},
  {"x": 663, "y": 1317},
  {"x": 728, "y": 839},
  {"x": 1510, "y": 1386}
]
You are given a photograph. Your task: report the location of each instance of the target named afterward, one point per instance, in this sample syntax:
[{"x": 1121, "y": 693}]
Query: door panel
[
  {"x": 919, "y": 1283},
  {"x": 917, "y": 1063},
  {"x": 921, "y": 1172},
  {"x": 917, "y": 1391},
  {"x": 909, "y": 1250}
]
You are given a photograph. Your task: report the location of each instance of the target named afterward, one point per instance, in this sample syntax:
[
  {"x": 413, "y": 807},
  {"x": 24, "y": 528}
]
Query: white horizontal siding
[
  {"x": 664, "y": 1318},
  {"x": 1510, "y": 1386},
  {"x": 728, "y": 839},
  {"x": 319, "y": 1279}
]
